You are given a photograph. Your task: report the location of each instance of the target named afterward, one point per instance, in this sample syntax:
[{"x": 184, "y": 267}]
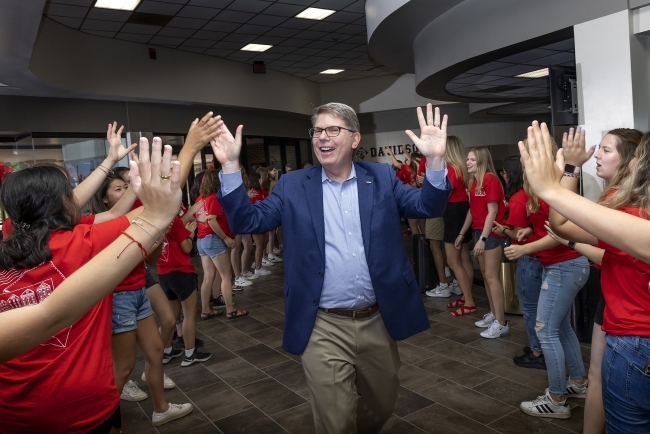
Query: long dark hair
[
  {"x": 97, "y": 204},
  {"x": 210, "y": 184},
  {"x": 38, "y": 200},
  {"x": 254, "y": 180},
  {"x": 196, "y": 186},
  {"x": 512, "y": 166}
]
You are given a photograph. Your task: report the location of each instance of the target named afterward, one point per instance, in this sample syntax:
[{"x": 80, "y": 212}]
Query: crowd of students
[{"x": 52, "y": 320}]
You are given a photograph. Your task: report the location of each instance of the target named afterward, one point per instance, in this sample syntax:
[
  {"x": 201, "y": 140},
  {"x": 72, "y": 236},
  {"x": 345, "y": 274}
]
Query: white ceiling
[{"x": 221, "y": 28}]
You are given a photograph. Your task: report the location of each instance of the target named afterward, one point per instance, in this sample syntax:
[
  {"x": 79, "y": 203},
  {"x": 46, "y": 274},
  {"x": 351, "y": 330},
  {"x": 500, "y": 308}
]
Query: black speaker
[{"x": 423, "y": 265}]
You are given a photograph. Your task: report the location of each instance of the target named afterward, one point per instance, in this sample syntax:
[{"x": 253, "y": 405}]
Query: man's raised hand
[
  {"x": 226, "y": 148},
  {"x": 433, "y": 137}
]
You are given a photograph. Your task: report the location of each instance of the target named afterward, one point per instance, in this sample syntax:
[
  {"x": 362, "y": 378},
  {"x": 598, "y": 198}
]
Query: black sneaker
[
  {"x": 175, "y": 353},
  {"x": 529, "y": 360},
  {"x": 218, "y": 302},
  {"x": 195, "y": 357},
  {"x": 179, "y": 342}
]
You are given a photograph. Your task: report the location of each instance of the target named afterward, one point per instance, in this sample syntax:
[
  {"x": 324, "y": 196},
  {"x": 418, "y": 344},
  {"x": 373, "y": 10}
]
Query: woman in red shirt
[
  {"x": 407, "y": 172},
  {"x": 624, "y": 279},
  {"x": 214, "y": 242},
  {"x": 256, "y": 193},
  {"x": 486, "y": 205}
]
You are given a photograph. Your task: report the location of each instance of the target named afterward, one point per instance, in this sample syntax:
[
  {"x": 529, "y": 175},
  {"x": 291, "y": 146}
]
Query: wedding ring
[
  {"x": 165, "y": 177},
  {"x": 436, "y": 125}
]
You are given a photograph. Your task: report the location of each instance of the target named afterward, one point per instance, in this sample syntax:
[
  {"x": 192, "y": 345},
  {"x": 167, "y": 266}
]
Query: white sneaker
[
  {"x": 266, "y": 262},
  {"x": 132, "y": 392},
  {"x": 242, "y": 282},
  {"x": 175, "y": 411},
  {"x": 249, "y": 275},
  {"x": 167, "y": 384},
  {"x": 454, "y": 288},
  {"x": 545, "y": 406},
  {"x": 276, "y": 250},
  {"x": 496, "y": 330},
  {"x": 575, "y": 390},
  {"x": 438, "y": 292},
  {"x": 447, "y": 272},
  {"x": 487, "y": 320},
  {"x": 262, "y": 272},
  {"x": 274, "y": 258}
]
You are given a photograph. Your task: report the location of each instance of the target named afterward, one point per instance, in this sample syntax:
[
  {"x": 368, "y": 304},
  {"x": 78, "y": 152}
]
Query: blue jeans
[
  {"x": 529, "y": 283},
  {"x": 560, "y": 284},
  {"x": 626, "y": 386}
]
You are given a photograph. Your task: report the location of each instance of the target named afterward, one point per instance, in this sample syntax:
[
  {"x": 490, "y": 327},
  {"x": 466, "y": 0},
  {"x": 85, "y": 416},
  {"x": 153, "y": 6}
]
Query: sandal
[
  {"x": 236, "y": 314},
  {"x": 458, "y": 303},
  {"x": 463, "y": 310},
  {"x": 212, "y": 314}
]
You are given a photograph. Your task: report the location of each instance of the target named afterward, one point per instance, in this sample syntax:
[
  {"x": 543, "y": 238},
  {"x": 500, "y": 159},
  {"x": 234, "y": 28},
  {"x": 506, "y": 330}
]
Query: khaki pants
[{"x": 343, "y": 353}]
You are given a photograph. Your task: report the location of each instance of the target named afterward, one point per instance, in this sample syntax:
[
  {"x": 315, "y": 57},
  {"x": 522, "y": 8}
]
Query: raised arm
[
  {"x": 393, "y": 160},
  {"x": 433, "y": 137},
  {"x": 85, "y": 190},
  {"x": 200, "y": 133},
  {"x": 25, "y": 328},
  {"x": 623, "y": 231},
  {"x": 593, "y": 253}
]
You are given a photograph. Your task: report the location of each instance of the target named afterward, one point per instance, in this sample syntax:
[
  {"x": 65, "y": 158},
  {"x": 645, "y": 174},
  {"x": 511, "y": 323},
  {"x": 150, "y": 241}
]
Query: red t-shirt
[
  {"x": 492, "y": 191},
  {"x": 422, "y": 167},
  {"x": 626, "y": 287},
  {"x": 173, "y": 258},
  {"x": 518, "y": 216},
  {"x": 555, "y": 254},
  {"x": 405, "y": 174},
  {"x": 211, "y": 206},
  {"x": 258, "y": 195},
  {"x": 7, "y": 229},
  {"x": 459, "y": 191},
  {"x": 66, "y": 384}
]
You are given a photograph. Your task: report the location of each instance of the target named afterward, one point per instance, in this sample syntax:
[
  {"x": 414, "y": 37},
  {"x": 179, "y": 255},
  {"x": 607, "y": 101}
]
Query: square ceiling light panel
[
  {"x": 256, "y": 47},
  {"x": 315, "y": 14},
  {"x": 123, "y": 5}
]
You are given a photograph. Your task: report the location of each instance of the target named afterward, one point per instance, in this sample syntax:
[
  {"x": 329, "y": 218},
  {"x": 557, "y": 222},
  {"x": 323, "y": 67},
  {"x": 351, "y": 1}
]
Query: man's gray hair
[{"x": 341, "y": 111}]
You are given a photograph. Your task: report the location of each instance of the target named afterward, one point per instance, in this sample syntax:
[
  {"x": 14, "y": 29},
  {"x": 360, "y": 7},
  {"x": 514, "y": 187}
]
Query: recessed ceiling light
[
  {"x": 256, "y": 47},
  {"x": 315, "y": 14},
  {"x": 332, "y": 71},
  {"x": 2, "y": 84},
  {"x": 538, "y": 73},
  {"x": 123, "y": 5}
]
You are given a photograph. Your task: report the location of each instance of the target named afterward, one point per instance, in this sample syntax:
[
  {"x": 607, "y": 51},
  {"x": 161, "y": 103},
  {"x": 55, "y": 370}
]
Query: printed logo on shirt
[
  {"x": 480, "y": 192},
  {"x": 164, "y": 255}
]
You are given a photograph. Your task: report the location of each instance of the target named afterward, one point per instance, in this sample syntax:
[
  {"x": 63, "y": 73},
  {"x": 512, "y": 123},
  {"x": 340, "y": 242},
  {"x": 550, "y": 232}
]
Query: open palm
[
  {"x": 433, "y": 134},
  {"x": 227, "y": 148}
]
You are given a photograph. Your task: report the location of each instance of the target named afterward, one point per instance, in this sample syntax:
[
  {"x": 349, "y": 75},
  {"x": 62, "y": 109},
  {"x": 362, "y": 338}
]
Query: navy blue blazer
[{"x": 297, "y": 204}]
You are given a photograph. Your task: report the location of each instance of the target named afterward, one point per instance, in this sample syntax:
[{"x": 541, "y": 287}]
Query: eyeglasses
[{"x": 329, "y": 131}]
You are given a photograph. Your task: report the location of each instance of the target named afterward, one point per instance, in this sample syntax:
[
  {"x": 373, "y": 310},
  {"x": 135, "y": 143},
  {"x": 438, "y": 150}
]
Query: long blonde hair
[
  {"x": 484, "y": 165},
  {"x": 455, "y": 157},
  {"x": 627, "y": 139},
  {"x": 634, "y": 192},
  {"x": 533, "y": 200}
]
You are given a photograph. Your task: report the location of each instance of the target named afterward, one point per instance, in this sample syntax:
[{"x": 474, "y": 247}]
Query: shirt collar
[{"x": 324, "y": 177}]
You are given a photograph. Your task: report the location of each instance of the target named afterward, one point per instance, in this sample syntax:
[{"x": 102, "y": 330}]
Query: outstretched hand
[
  {"x": 432, "y": 142},
  {"x": 202, "y": 131},
  {"x": 115, "y": 149},
  {"x": 156, "y": 182},
  {"x": 574, "y": 147},
  {"x": 542, "y": 172},
  {"x": 226, "y": 148}
]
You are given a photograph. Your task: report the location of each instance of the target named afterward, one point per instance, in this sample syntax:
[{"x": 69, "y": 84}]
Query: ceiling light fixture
[
  {"x": 315, "y": 14},
  {"x": 332, "y": 71},
  {"x": 256, "y": 47},
  {"x": 122, "y": 5},
  {"x": 2, "y": 84},
  {"x": 538, "y": 73}
]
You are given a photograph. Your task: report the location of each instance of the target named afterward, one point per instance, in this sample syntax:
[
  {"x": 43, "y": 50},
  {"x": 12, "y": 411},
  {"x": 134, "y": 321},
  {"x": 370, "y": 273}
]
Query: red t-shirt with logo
[
  {"x": 555, "y": 254},
  {"x": 66, "y": 384},
  {"x": 173, "y": 258},
  {"x": 211, "y": 206},
  {"x": 625, "y": 281},
  {"x": 492, "y": 191},
  {"x": 7, "y": 228},
  {"x": 458, "y": 192}
]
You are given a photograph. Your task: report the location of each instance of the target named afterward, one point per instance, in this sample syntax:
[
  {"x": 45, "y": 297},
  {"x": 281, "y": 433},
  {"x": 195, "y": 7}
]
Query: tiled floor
[{"x": 452, "y": 380}]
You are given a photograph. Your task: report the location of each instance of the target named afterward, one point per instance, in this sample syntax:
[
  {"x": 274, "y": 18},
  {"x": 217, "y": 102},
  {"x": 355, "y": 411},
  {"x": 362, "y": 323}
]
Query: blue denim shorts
[
  {"x": 211, "y": 245},
  {"x": 492, "y": 242},
  {"x": 129, "y": 307}
]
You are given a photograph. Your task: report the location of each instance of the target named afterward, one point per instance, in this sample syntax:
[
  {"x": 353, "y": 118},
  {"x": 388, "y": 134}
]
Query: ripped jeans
[{"x": 560, "y": 284}]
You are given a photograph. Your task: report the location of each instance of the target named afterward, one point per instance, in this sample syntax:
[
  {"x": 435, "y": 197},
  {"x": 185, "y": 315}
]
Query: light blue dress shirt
[{"x": 346, "y": 283}]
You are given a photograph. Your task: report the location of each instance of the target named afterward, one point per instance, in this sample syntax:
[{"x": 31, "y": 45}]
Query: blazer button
[
  {"x": 320, "y": 274},
  {"x": 315, "y": 303}
]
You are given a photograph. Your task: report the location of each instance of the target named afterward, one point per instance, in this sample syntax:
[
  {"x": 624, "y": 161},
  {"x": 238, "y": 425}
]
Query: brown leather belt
[{"x": 353, "y": 313}]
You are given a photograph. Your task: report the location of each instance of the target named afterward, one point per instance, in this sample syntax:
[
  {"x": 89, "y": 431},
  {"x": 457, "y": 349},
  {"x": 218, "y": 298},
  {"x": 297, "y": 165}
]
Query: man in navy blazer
[{"x": 350, "y": 290}]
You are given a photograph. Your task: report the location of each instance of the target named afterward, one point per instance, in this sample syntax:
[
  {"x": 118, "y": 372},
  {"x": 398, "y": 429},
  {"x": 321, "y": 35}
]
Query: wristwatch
[
  {"x": 484, "y": 239},
  {"x": 572, "y": 171},
  {"x": 571, "y": 245}
]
